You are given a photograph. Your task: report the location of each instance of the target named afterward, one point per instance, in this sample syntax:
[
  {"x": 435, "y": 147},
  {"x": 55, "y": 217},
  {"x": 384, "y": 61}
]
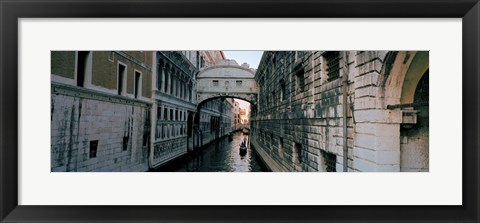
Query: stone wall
[
  {"x": 174, "y": 78},
  {"x": 93, "y": 127},
  {"x": 81, "y": 118},
  {"x": 215, "y": 120},
  {"x": 300, "y": 118}
]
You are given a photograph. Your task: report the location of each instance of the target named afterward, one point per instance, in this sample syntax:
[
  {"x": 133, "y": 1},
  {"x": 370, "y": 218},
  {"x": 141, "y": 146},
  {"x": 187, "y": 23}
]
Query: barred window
[
  {"x": 239, "y": 83},
  {"x": 215, "y": 83},
  {"x": 330, "y": 161},
  {"x": 332, "y": 61}
]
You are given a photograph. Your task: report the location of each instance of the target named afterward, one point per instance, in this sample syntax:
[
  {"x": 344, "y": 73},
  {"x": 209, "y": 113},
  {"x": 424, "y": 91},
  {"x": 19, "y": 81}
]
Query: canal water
[{"x": 220, "y": 156}]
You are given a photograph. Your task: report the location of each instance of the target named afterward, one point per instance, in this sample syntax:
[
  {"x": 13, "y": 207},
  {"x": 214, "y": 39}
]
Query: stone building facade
[
  {"x": 319, "y": 108},
  {"x": 130, "y": 110},
  {"x": 215, "y": 120},
  {"x": 100, "y": 110},
  {"x": 237, "y": 125},
  {"x": 174, "y": 99}
]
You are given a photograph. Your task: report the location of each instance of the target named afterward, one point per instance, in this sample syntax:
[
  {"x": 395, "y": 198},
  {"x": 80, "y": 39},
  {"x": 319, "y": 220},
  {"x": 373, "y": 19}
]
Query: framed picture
[{"x": 163, "y": 75}]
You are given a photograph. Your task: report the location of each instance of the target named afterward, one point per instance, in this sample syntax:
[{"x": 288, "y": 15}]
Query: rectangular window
[
  {"x": 82, "y": 59},
  {"x": 332, "y": 61},
  {"x": 298, "y": 152},
  {"x": 165, "y": 113},
  {"x": 271, "y": 140},
  {"x": 125, "y": 143},
  {"x": 282, "y": 90},
  {"x": 215, "y": 83},
  {"x": 300, "y": 80},
  {"x": 93, "y": 148},
  {"x": 280, "y": 147},
  {"x": 166, "y": 73},
  {"x": 330, "y": 161},
  {"x": 159, "y": 77},
  {"x": 138, "y": 84},
  {"x": 121, "y": 78},
  {"x": 171, "y": 114},
  {"x": 238, "y": 83}
]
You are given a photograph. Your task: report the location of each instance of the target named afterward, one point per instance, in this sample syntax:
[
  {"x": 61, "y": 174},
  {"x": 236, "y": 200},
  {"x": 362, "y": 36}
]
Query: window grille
[
  {"x": 330, "y": 161},
  {"x": 215, "y": 83},
  {"x": 332, "y": 60}
]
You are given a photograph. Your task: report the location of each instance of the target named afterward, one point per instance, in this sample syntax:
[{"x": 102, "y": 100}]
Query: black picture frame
[{"x": 11, "y": 11}]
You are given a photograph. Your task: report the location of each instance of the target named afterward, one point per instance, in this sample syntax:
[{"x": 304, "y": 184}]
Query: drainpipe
[{"x": 345, "y": 112}]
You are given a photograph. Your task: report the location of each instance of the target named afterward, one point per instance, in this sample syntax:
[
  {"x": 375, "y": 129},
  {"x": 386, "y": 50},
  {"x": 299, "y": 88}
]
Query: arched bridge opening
[
  {"x": 215, "y": 86},
  {"x": 227, "y": 79}
]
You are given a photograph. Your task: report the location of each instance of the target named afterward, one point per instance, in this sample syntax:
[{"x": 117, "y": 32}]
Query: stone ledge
[{"x": 79, "y": 92}]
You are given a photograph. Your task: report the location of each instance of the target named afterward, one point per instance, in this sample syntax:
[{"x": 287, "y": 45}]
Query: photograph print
[{"x": 239, "y": 111}]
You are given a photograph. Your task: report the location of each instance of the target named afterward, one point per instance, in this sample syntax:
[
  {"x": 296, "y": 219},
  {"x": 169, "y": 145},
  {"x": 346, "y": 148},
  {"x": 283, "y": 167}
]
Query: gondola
[{"x": 243, "y": 149}]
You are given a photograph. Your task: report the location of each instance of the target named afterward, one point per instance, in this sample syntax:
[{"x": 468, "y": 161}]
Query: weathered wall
[
  {"x": 415, "y": 138},
  {"x": 299, "y": 123},
  {"x": 79, "y": 117},
  {"x": 173, "y": 101},
  {"x": 215, "y": 120},
  {"x": 63, "y": 63},
  {"x": 105, "y": 64},
  {"x": 92, "y": 127}
]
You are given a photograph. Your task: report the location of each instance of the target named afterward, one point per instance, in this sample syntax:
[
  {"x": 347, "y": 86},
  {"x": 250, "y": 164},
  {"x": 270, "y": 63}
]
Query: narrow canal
[{"x": 220, "y": 156}]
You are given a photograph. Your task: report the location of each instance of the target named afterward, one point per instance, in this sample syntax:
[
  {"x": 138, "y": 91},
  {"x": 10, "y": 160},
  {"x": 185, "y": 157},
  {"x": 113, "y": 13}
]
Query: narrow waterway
[{"x": 220, "y": 156}]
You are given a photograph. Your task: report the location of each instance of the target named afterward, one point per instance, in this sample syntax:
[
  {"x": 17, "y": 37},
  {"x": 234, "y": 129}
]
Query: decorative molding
[
  {"x": 133, "y": 59},
  {"x": 74, "y": 91}
]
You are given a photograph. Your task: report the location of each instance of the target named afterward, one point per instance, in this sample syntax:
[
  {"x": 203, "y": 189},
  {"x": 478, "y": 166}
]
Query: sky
[
  {"x": 251, "y": 57},
  {"x": 243, "y": 104}
]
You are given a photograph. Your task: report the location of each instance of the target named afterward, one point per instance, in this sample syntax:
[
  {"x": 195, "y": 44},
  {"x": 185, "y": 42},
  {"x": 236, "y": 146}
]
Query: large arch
[
  {"x": 405, "y": 90},
  {"x": 252, "y": 100},
  {"x": 401, "y": 77}
]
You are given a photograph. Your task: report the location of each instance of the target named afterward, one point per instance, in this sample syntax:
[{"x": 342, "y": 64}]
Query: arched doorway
[
  {"x": 414, "y": 146},
  {"x": 406, "y": 95}
]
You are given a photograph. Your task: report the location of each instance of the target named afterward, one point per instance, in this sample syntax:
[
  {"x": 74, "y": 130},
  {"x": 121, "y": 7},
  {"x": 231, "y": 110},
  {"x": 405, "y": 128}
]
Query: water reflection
[{"x": 220, "y": 156}]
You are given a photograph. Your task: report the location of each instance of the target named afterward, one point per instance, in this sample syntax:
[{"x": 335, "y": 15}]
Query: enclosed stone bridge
[{"x": 227, "y": 79}]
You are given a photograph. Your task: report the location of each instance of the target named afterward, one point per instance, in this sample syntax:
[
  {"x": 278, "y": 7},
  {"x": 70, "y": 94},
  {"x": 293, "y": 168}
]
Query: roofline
[{"x": 227, "y": 66}]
